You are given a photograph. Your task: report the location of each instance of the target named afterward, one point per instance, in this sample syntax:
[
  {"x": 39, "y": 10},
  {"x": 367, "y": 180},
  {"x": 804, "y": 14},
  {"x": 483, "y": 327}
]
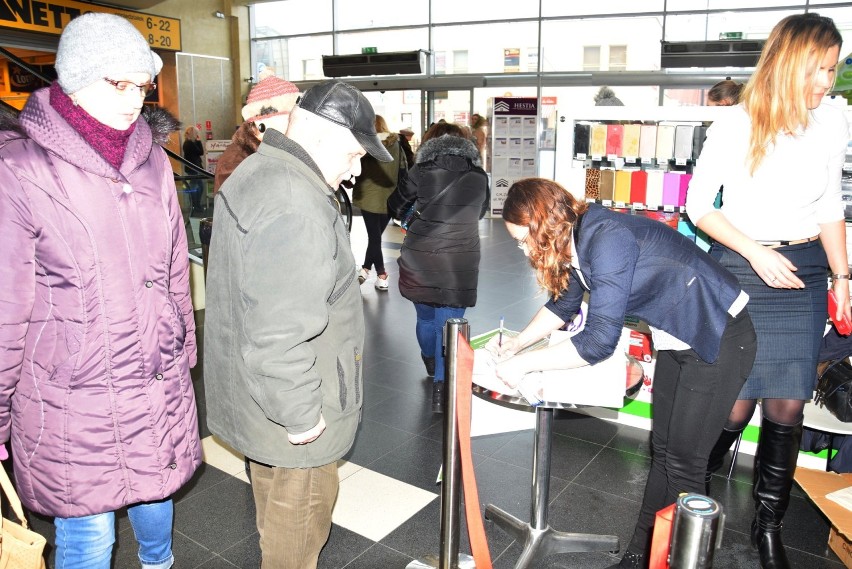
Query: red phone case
[{"x": 843, "y": 326}]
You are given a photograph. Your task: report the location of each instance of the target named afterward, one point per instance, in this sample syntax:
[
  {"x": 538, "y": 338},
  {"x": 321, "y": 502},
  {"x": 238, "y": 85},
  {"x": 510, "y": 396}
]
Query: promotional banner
[{"x": 513, "y": 145}]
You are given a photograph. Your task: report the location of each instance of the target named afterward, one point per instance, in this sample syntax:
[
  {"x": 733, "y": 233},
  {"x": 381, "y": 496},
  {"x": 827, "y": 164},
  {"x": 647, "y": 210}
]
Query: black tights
[{"x": 780, "y": 411}]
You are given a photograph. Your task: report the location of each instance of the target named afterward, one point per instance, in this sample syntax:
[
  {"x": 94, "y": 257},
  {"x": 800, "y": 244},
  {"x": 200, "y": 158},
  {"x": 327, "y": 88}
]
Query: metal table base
[{"x": 538, "y": 538}]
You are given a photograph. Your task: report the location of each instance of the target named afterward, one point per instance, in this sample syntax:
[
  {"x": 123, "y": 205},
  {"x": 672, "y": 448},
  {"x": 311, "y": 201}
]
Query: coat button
[
  {"x": 158, "y": 377},
  {"x": 173, "y": 465},
  {"x": 149, "y": 284}
]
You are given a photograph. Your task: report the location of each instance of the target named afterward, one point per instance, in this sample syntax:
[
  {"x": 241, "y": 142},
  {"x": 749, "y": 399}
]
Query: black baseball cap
[{"x": 346, "y": 106}]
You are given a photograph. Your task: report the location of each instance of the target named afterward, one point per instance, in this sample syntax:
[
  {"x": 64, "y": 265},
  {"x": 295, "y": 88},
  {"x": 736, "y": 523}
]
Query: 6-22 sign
[{"x": 162, "y": 33}]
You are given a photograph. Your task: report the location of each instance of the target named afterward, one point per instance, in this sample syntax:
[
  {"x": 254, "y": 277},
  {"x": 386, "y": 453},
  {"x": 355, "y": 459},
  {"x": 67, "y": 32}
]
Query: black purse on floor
[{"x": 834, "y": 390}]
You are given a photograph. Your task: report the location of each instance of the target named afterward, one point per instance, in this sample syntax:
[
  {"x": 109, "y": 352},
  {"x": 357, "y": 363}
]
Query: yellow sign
[{"x": 50, "y": 16}]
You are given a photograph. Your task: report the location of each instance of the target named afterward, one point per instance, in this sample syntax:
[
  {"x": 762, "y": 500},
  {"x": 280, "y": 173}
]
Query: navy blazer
[{"x": 640, "y": 267}]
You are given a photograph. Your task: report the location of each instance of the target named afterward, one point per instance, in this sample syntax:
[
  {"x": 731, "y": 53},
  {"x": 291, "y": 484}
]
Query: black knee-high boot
[
  {"x": 775, "y": 465},
  {"x": 717, "y": 455}
]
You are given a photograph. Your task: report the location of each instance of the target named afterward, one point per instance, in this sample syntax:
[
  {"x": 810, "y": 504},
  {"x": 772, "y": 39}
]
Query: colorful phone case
[
  {"x": 597, "y": 147},
  {"x": 614, "y": 139},
  {"x": 581, "y": 139},
  {"x": 622, "y": 186},
  {"x": 593, "y": 184},
  {"x": 665, "y": 143},
  {"x": 638, "y": 186},
  {"x": 607, "y": 184},
  {"x": 648, "y": 142},
  {"x": 630, "y": 143},
  {"x": 683, "y": 143}
]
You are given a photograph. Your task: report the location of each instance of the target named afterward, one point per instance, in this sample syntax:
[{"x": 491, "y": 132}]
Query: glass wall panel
[
  {"x": 292, "y": 17},
  {"x": 294, "y": 59},
  {"x": 566, "y": 44},
  {"x": 550, "y": 8},
  {"x": 698, "y": 27},
  {"x": 383, "y": 41},
  {"x": 492, "y": 48},
  {"x": 380, "y": 14},
  {"x": 480, "y": 10}
]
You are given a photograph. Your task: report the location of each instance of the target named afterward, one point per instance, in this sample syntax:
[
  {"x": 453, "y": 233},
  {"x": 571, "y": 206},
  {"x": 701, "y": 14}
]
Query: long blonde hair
[{"x": 776, "y": 95}]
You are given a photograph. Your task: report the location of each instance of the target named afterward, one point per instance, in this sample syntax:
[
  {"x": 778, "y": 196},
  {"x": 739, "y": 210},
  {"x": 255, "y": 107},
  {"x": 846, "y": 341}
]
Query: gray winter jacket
[{"x": 284, "y": 324}]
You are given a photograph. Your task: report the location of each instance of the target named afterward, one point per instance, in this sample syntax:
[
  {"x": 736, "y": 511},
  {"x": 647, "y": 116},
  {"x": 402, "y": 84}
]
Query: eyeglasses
[
  {"x": 522, "y": 242},
  {"x": 124, "y": 86}
]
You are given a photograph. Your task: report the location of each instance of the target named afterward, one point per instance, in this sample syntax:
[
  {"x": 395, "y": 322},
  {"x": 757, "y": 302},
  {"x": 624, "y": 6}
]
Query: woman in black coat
[{"x": 439, "y": 260}]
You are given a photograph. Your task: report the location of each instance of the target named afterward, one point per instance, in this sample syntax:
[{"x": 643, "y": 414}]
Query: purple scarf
[{"x": 109, "y": 142}]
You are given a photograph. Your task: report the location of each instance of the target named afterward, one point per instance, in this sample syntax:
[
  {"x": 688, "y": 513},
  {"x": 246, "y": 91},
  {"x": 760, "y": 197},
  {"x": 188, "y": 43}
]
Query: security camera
[
  {"x": 375, "y": 83},
  {"x": 382, "y": 91}
]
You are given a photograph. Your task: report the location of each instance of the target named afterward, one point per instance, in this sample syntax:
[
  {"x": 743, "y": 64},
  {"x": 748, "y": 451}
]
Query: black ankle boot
[
  {"x": 775, "y": 464},
  {"x": 717, "y": 455},
  {"x": 438, "y": 397},
  {"x": 630, "y": 561},
  {"x": 430, "y": 365}
]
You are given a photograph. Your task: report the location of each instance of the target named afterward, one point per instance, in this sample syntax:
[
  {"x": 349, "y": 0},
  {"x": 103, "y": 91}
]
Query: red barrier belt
[{"x": 464, "y": 384}]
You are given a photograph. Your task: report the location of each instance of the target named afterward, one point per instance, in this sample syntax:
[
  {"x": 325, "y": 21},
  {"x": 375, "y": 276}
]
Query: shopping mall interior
[{"x": 467, "y": 56}]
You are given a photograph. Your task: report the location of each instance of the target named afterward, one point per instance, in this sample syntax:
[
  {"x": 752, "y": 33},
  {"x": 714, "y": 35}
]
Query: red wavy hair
[{"x": 550, "y": 212}]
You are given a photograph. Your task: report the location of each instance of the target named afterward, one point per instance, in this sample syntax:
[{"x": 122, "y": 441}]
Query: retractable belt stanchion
[
  {"x": 449, "y": 556},
  {"x": 696, "y": 532}
]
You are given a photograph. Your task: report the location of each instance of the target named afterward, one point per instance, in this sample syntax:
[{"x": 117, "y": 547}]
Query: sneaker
[
  {"x": 362, "y": 275},
  {"x": 382, "y": 282}
]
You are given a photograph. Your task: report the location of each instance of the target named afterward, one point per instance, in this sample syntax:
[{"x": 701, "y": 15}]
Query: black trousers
[
  {"x": 692, "y": 401},
  {"x": 375, "y": 224}
]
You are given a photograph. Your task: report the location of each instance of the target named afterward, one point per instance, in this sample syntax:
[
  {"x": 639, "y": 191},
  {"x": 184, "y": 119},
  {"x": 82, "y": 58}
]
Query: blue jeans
[
  {"x": 430, "y": 332},
  {"x": 86, "y": 542}
]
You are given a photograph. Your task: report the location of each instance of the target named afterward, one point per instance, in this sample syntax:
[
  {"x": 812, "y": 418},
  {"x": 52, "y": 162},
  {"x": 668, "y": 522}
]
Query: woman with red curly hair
[{"x": 632, "y": 265}]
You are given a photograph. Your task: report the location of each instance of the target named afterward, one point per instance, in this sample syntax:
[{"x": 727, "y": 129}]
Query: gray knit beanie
[{"x": 97, "y": 45}]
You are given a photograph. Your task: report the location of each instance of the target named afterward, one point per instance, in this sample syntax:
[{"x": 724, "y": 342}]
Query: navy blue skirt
[{"x": 789, "y": 322}]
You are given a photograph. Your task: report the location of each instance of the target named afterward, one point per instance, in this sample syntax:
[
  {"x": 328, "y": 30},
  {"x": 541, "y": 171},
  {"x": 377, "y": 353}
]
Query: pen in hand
[{"x": 500, "y": 336}]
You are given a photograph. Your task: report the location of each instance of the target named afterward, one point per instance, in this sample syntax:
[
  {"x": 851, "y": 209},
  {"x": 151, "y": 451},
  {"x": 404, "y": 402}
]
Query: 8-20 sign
[{"x": 162, "y": 33}]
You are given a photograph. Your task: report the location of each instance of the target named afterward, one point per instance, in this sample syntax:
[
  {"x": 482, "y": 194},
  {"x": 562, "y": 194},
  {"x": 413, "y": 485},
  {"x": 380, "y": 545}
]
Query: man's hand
[{"x": 308, "y": 436}]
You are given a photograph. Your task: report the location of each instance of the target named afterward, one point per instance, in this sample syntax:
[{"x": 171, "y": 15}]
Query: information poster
[
  {"x": 213, "y": 149},
  {"x": 513, "y": 142}
]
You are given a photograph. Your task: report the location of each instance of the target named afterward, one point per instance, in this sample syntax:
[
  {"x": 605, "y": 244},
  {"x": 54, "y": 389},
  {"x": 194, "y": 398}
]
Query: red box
[{"x": 640, "y": 346}]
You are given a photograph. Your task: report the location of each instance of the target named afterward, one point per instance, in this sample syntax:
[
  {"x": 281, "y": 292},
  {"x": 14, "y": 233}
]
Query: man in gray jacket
[{"x": 284, "y": 323}]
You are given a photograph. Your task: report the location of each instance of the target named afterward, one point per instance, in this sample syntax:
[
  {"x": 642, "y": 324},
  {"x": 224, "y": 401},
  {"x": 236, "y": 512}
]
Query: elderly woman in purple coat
[{"x": 96, "y": 324}]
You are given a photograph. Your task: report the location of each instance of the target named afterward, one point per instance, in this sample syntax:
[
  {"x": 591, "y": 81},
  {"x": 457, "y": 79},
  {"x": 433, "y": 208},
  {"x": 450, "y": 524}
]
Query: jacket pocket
[
  {"x": 349, "y": 363},
  {"x": 56, "y": 349},
  {"x": 171, "y": 332}
]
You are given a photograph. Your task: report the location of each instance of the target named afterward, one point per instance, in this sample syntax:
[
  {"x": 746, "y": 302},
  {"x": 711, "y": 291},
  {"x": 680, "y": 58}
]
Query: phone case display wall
[
  {"x": 513, "y": 142},
  {"x": 639, "y": 162}
]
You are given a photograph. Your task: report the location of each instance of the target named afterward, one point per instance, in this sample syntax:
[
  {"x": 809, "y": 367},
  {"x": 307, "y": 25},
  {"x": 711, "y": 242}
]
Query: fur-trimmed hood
[{"x": 448, "y": 144}]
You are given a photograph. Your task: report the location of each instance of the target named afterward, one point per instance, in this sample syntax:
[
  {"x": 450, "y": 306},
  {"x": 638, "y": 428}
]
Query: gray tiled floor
[{"x": 598, "y": 472}]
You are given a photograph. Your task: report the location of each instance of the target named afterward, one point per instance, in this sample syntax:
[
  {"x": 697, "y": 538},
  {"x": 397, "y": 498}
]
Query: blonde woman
[
  {"x": 193, "y": 152},
  {"x": 779, "y": 154}
]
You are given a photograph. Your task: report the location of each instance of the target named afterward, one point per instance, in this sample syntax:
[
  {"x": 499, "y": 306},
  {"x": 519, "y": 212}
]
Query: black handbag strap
[{"x": 418, "y": 212}]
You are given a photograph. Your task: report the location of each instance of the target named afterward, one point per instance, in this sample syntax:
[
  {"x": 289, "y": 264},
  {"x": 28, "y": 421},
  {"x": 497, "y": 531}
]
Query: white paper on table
[
  {"x": 601, "y": 385},
  {"x": 842, "y": 497}
]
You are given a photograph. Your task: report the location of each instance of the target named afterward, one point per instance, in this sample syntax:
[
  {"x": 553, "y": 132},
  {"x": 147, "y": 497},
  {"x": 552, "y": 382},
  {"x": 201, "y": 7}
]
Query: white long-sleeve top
[{"x": 795, "y": 188}]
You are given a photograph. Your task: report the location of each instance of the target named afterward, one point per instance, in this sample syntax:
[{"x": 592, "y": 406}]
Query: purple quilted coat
[{"x": 96, "y": 323}]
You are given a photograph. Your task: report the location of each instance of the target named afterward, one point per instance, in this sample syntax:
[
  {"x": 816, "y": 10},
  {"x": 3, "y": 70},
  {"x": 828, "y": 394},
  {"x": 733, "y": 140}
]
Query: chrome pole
[{"x": 451, "y": 485}]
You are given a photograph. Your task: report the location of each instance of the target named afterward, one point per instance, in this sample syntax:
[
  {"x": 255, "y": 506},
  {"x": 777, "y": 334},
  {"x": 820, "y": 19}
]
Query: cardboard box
[{"x": 818, "y": 483}]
